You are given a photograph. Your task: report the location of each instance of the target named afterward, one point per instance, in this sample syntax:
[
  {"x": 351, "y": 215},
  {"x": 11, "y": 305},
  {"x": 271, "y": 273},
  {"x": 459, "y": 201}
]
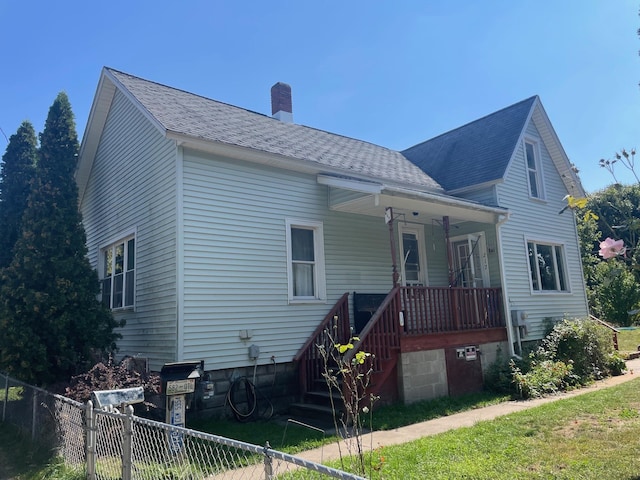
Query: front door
[
  {"x": 412, "y": 255},
  {"x": 470, "y": 261}
]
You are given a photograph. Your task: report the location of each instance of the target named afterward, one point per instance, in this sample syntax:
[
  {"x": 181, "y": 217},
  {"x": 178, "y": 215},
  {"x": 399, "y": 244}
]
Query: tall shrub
[
  {"x": 51, "y": 320},
  {"x": 585, "y": 344},
  {"x": 18, "y": 170}
]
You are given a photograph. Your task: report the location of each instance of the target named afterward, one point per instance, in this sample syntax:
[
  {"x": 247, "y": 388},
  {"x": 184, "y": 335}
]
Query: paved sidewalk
[{"x": 464, "y": 419}]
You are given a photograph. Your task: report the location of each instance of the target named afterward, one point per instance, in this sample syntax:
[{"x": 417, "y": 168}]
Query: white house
[{"x": 234, "y": 237}]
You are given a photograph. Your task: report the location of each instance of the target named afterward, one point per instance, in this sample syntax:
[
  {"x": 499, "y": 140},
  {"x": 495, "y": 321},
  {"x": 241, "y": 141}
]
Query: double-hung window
[
  {"x": 118, "y": 273},
  {"x": 547, "y": 267},
  {"x": 533, "y": 169},
  {"x": 305, "y": 261}
]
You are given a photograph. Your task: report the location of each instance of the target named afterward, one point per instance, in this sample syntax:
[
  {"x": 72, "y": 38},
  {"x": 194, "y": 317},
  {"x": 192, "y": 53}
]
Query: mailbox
[
  {"x": 112, "y": 398},
  {"x": 180, "y": 378},
  {"x": 177, "y": 381}
]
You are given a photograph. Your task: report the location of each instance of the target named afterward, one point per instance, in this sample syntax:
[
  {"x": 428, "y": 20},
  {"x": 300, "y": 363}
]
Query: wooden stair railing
[
  {"x": 381, "y": 337},
  {"x": 613, "y": 329},
  {"x": 335, "y": 325}
]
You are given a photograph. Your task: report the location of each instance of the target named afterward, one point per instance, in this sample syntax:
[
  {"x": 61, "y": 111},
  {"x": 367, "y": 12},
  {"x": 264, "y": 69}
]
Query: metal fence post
[
  {"x": 127, "y": 443},
  {"x": 6, "y": 397},
  {"x": 268, "y": 462},
  {"x": 34, "y": 415},
  {"x": 90, "y": 435}
]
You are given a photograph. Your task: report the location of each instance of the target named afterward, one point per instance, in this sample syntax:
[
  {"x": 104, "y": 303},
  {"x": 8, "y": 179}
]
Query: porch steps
[{"x": 315, "y": 406}]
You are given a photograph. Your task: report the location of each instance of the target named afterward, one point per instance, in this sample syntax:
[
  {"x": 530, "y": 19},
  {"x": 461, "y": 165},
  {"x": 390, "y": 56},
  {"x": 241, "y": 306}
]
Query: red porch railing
[
  {"x": 335, "y": 324},
  {"x": 381, "y": 336},
  {"x": 429, "y": 310},
  {"x": 426, "y": 310}
]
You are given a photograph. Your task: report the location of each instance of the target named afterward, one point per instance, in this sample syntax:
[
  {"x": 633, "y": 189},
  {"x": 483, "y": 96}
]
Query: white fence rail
[{"x": 110, "y": 445}]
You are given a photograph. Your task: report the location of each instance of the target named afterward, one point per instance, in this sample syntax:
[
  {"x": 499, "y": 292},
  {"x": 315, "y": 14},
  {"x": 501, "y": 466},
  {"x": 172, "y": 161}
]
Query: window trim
[
  {"x": 537, "y": 154},
  {"x": 116, "y": 240},
  {"x": 565, "y": 269},
  {"x": 418, "y": 230},
  {"x": 479, "y": 237},
  {"x": 320, "y": 287}
]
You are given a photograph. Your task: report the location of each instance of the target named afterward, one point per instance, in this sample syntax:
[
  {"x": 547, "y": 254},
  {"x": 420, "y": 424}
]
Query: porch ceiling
[{"x": 419, "y": 207}]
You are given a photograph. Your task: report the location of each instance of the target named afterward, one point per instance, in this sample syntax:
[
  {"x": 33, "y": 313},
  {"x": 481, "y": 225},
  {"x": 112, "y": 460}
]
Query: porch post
[
  {"x": 445, "y": 226},
  {"x": 388, "y": 217},
  {"x": 453, "y": 298}
]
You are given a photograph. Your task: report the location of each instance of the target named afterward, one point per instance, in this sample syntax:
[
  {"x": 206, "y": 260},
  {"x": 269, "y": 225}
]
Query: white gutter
[
  {"x": 447, "y": 200},
  {"x": 350, "y": 184}
]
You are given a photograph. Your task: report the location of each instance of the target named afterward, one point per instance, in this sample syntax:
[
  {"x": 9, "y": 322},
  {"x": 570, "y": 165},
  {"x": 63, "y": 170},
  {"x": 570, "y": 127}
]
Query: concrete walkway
[{"x": 463, "y": 419}]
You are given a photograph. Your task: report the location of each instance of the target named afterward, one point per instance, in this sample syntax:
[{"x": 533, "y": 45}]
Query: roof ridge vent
[{"x": 281, "y": 107}]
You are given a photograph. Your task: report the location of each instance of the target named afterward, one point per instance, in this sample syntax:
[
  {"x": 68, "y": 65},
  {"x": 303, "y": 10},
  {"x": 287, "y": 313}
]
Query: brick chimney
[{"x": 281, "y": 102}]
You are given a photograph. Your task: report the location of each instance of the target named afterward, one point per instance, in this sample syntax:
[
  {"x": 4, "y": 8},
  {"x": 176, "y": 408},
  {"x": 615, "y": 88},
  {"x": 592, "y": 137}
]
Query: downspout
[{"x": 505, "y": 292}]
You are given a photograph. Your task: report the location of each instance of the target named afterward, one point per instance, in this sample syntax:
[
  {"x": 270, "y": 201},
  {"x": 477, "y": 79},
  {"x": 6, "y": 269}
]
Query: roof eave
[
  {"x": 475, "y": 187},
  {"x": 556, "y": 150},
  {"x": 93, "y": 131},
  {"x": 107, "y": 86},
  {"x": 275, "y": 160}
]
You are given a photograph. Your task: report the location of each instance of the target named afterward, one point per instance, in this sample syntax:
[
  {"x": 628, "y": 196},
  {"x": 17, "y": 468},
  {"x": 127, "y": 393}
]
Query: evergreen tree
[
  {"x": 18, "y": 170},
  {"x": 51, "y": 319}
]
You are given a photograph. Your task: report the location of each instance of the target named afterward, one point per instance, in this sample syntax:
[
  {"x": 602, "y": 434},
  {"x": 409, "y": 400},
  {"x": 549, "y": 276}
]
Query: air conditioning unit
[{"x": 519, "y": 318}]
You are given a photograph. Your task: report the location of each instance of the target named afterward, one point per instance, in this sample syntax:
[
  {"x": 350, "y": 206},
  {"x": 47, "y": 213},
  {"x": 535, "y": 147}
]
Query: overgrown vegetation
[
  {"x": 21, "y": 459},
  {"x": 110, "y": 376},
  {"x": 52, "y": 324},
  {"x": 575, "y": 352},
  {"x": 613, "y": 282}
]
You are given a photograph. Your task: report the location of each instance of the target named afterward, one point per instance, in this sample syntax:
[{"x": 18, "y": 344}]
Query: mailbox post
[{"x": 178, "y": 380}]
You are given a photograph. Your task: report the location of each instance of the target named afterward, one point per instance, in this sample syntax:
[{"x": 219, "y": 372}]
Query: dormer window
[{"x": 533, "y": 169}]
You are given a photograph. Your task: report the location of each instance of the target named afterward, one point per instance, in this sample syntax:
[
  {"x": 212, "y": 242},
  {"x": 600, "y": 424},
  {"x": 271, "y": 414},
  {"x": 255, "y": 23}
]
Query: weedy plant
[{"x": 349, "y": 374}]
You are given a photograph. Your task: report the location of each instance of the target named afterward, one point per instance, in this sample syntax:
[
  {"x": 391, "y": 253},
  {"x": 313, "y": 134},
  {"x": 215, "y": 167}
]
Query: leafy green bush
[
  {"x": 615, "y": 294},
  {"x": 544, "y": 378},
  {"x": 498, "y": 378},
  {"x": 576, "y": 352},
  {"x": 585, "y": 343}
]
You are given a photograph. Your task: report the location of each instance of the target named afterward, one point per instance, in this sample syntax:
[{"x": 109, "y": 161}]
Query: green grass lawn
[
  {"x": 591, "y": 436},
  {"x": 291, "y": 438},
  {"x": 628, "y": 340}
]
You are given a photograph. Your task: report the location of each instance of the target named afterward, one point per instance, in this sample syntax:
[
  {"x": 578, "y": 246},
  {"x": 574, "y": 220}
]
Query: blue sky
[{"x": 392, "y": 73}]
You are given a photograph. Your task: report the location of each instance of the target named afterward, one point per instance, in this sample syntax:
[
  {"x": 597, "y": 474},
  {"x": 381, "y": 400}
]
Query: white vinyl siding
[
  {"x": 132, "y": 187},
  {"x": 235, "y": 259},
  {"x": 528, "y": 218}
]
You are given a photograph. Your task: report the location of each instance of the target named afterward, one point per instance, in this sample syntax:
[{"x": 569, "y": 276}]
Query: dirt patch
[{"x": 613, "y": 420}]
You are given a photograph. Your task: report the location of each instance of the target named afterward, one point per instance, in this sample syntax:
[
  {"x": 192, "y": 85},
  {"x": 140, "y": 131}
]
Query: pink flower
[{"x": 610, "y": 248}]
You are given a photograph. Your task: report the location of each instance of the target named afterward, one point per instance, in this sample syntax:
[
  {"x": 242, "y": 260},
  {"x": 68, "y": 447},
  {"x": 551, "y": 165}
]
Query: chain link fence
[
  {"x": 52, "y": 422},
  {"x": 110, "y": 445}
]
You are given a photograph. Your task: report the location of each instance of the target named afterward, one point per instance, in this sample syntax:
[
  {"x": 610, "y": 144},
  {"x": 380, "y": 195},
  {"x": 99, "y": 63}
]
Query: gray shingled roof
[
  {"x": 209, "y": 120},
  {"x": 475, "y": 153}
]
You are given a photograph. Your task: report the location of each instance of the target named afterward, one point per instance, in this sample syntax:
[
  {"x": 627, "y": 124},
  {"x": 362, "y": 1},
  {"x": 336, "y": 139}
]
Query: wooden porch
[{"x": 407, "y": 319}]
